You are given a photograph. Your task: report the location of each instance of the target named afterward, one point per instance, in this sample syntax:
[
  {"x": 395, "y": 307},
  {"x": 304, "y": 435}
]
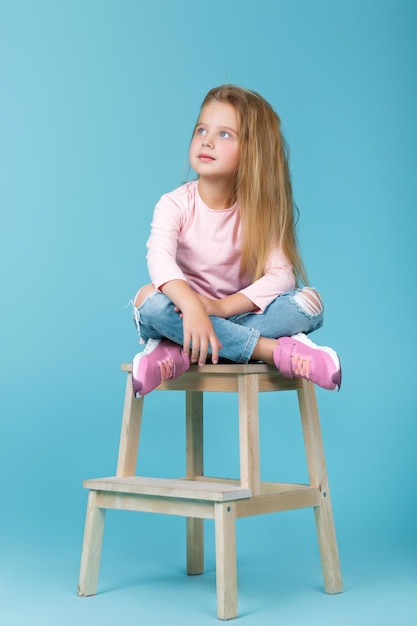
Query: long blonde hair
[{"x": 262, "y": 185}]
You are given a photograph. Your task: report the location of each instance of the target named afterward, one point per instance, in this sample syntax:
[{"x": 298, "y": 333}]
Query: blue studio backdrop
[{"x": 98, "y": 99}]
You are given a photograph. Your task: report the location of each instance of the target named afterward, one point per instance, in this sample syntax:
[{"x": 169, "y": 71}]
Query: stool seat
[
  {"x": 225, "y": 377},
  {"x": 198, "y": 497}
]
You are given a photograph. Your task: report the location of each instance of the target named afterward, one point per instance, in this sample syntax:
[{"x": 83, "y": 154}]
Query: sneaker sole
[{"x": 150, "y": 347}]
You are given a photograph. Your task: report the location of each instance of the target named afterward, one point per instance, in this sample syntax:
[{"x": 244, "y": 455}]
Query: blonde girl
[{"x": 226, "y": 275}]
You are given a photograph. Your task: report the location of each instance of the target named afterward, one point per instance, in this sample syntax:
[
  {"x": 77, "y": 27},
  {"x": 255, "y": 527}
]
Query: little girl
[{"x": 223, "y": 259}]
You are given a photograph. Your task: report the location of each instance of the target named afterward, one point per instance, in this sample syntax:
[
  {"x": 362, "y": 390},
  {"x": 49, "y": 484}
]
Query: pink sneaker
[
  {"x": 161, "y": 360},
  {"x": 298, "y": 356}
]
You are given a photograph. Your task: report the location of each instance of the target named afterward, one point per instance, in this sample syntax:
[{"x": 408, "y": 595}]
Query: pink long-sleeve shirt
[{"x": 202, "y": 246}]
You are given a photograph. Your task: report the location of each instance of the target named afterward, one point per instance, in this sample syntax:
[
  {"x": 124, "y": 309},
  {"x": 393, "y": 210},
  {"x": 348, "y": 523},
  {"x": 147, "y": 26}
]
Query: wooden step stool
[{"x": 198, "y": 497}]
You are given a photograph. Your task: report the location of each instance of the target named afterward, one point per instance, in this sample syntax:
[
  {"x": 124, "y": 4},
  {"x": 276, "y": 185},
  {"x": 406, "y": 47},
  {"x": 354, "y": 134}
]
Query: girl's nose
[{"x": 207, "y": 142}]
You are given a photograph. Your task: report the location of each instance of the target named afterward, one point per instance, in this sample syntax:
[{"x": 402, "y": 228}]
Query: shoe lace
[
  {"x": 300, "y": 366},
  {"x": 166, "y": 367}
]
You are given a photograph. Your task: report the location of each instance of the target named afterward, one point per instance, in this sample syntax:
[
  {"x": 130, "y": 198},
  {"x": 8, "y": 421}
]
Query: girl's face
[{"x": 214, "y": 148}]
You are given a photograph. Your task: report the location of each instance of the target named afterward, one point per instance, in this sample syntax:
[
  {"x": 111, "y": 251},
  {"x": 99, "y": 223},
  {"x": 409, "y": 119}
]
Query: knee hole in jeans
[
  {"x": 309, "y": 300},
  {"x": 142, "y": 294}
]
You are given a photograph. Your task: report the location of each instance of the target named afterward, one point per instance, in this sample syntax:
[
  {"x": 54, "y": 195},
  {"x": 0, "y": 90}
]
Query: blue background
[{"x": 97, "y": 103}]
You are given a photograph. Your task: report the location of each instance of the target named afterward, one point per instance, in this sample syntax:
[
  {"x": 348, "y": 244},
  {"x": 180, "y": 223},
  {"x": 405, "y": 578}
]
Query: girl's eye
[
  {"x": 225, "y": 134},
  {"x": 200, "y": 131}
]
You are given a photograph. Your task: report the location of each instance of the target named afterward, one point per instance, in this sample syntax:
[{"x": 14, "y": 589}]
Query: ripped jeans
[{"x": 288, "y": 314}]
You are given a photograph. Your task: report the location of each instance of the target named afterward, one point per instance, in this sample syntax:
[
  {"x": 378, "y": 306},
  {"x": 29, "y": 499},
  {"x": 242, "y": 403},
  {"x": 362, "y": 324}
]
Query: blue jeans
[{"x": 287, "y": 315}]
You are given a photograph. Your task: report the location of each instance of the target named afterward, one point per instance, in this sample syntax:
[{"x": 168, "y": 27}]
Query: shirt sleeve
[
  {"x": 163, "y": 241},
  {"x": 277, "y": 279}
]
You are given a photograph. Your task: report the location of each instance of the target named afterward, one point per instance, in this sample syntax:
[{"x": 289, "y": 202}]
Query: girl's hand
[
  {"x": 199, "y": 335},
  {"x": 235, "y": 304},
  {"x": 211, "y": 307},
  {"x": 198, "y": 330}
]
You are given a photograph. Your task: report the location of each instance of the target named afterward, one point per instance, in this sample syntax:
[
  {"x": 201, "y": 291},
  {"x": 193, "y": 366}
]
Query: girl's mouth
[{"x": 205, "y": 157}]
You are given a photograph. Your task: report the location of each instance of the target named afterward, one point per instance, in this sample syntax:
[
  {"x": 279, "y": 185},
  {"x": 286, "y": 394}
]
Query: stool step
[{"x": 186, "y": 489}]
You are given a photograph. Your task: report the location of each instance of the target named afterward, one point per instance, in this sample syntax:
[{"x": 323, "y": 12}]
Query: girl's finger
[
  {"x": 203, "y": 352},
  {"x": 195, "y": 350},
  {"x": 187, "y": 342},
  {"x": 215, "y": 347}
]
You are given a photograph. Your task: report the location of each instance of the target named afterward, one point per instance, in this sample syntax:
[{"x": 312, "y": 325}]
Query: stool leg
[
  {"x": 194, "y": 467},
  {"x": 226, "y": 574},
  {"x": 250, "y": 478},
  {"x": 130, "y": 432},
  {"x": 318, "y": 477},
  {"x": 91, "y": 553},
  {"x": 195, "y": 546},
  {"x": 332, "y": 575}
]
